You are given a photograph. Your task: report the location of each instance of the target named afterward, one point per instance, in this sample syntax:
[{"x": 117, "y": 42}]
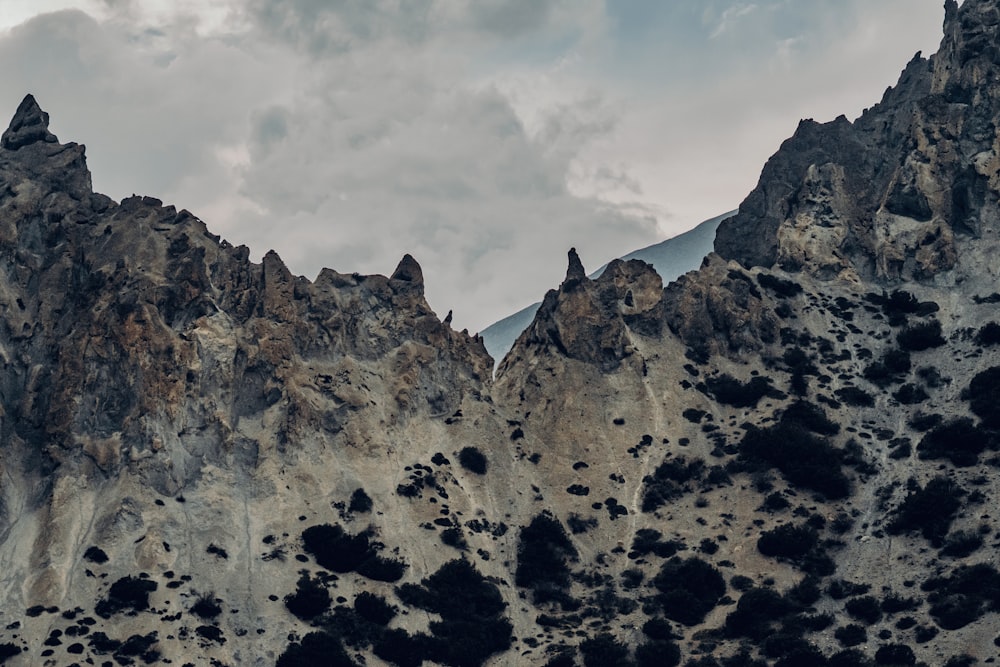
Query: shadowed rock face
[
  {"x": 884, "y": 197},
  {"x": 209, "y": 460}
]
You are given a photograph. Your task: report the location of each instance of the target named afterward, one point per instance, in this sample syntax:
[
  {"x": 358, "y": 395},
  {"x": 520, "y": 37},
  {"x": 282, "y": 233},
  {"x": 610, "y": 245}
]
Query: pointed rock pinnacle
[
  {"x": 575, "y": 269},
  {"x": 29, "y": 125},
  {"x": 408, "y": 271}
]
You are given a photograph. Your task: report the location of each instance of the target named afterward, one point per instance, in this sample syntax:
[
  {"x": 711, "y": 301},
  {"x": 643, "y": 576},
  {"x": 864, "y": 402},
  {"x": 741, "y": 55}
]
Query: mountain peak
[{"x": 29, "y": 125}]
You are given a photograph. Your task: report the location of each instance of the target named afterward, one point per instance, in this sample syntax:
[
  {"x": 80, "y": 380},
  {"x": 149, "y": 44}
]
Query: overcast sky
[{"x": 484, "y": 137}]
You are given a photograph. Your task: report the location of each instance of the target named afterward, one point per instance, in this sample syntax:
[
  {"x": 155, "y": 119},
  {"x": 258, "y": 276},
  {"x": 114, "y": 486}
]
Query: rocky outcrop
[
  {"x": 593, "y": 321},
  {"x": 888, "y": 196}
]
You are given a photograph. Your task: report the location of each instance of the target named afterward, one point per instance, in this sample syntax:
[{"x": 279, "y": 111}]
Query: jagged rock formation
[{"x": 786, "y": 457}]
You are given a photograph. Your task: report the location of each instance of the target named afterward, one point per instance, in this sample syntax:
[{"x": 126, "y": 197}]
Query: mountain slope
[
  {"x": 671, "y": 258},
  {"x": 786, "y": 457}
]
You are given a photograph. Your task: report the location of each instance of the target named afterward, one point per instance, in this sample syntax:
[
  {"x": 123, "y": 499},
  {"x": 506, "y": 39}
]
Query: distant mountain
[{"x": 671, "y": 259}]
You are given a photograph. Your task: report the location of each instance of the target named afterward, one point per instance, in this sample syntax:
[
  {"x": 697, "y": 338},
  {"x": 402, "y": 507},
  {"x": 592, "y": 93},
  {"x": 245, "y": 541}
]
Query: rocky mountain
[
  {"x": 787, "y": 457},
  {"x": 671, "y": 259}
]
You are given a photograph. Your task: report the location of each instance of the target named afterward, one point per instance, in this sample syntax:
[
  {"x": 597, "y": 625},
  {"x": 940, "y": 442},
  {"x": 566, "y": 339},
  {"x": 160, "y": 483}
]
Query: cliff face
[
  {"x": 888, "y": 197},
  {"x": 786, "y": 457}
]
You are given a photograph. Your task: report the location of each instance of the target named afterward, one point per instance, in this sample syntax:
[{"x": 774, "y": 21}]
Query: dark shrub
[
  {"x": 805, "y": 459},
  {"x": 373, "y": 608},
  {"x": 688, "y": 589},
  {"x": 910, "y": 394},
  {"x": 775, "y": 502},
  {"x": 543, "y": 554},
  {"x": 811, "y": 417},
  {"x": 670, "y": 481},
  {"x": 729, "y": 391},
  {"x": 453, "y": 537},
  {"x": 472, "y": 460},
  {"x": 983, "y": 395},
  {"x": 928, "y": 510},
  {"x": 95, "y": 555},
  {"x": 988, "y": 335},
  {"x": 360, "y": 503},
  {"x": 781, "y": 287},
  {"x": 379, "y": 568},
  {"x": 963, "y": 597},
  {"x": 960, "y": 661},
  {"x": 316, "y": 648},
  {"x": 893, "y": 604},
  {"x": 787, "y": 541},
  {"x": 658, "y": 629},
  {"x": 865, "y": 608},
  {"x": 8, "y": 650},
  {"x": 919, "y": 337},
  {"x": 755, "y": 613},
  {"x": 128, "y": 594},
  {"x": 206, "y": 606},
  {"x": 658, "y": 654},
  {"x": 895, "y": 654},
  {"x": 337, "y": 550},
  {"x": 961, "y": 544},
  {"x": 851, "y": 635},
  {"x": 958, "y": 440},
  {"x": 399, "y": 648},
  {"x": 604, "y": 651},
  {"x": 309, "y": 600},
  {"x": 892, "y": 367},
  {"x": 849, "y": 657},
  {"x": 855, "y": 397},
  {"x": 470, "y": 606}
]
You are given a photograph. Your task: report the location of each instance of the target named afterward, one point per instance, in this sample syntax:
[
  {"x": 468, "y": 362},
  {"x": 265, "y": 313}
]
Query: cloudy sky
[{"x": 484, "y": 137}]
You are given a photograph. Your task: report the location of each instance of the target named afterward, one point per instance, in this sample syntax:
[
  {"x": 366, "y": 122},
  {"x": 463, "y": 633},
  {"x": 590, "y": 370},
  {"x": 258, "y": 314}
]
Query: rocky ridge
[{"x": 787, "y": 457}]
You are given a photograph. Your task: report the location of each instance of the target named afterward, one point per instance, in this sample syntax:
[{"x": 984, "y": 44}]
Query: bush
[
  {"x": 781, "y": 287},
  {"x": 958, "y": 440},
  {"x": 729, "y": 391},
  {"x": 805, "y": 459},
  {"x": 658, "y": 654},
  {"x": 373, "y": 608},
  {"x": 849, "y": 657},
  {"x": 988, "y": 335},
  {"x": 962, "y": 544},
  {"x": 206, "y": 606},
  {"x": 95, "y": 555},
  {"x": 670, "y": 481},
  {"x": 911, "y": 394},
  {"x": 472, "y": 460},
  {"x": 851, "y": 635},
  {"x": 470, "y": 606},
  {"x": 963, "y": 597},
  {"x": 316, "y": 648},
  {"x": 543, "y": 554},
  {"x": 688, "y": 589},
  {"x": 453, "y": 537},
  {"x": 755, "y": 613},
  {"x": 855, "y": 397},
  {"x": 895, "y": 654},
  {"x": 360, "y": 503},
  {"x": 891, "y": 368},
  {"x": 604, "y": 651},
  {"x": 339, "y": 551},
  {"x": 129, "y": 594},
  {"x": 788, "y": 541},
  {"x": 919, "y": 337},
  {"x": 983, "y": 395},
  {"x": 865, "y": 608},
  {"x": 309, "y": 600},
  {"x": 929, "y": 510}
]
